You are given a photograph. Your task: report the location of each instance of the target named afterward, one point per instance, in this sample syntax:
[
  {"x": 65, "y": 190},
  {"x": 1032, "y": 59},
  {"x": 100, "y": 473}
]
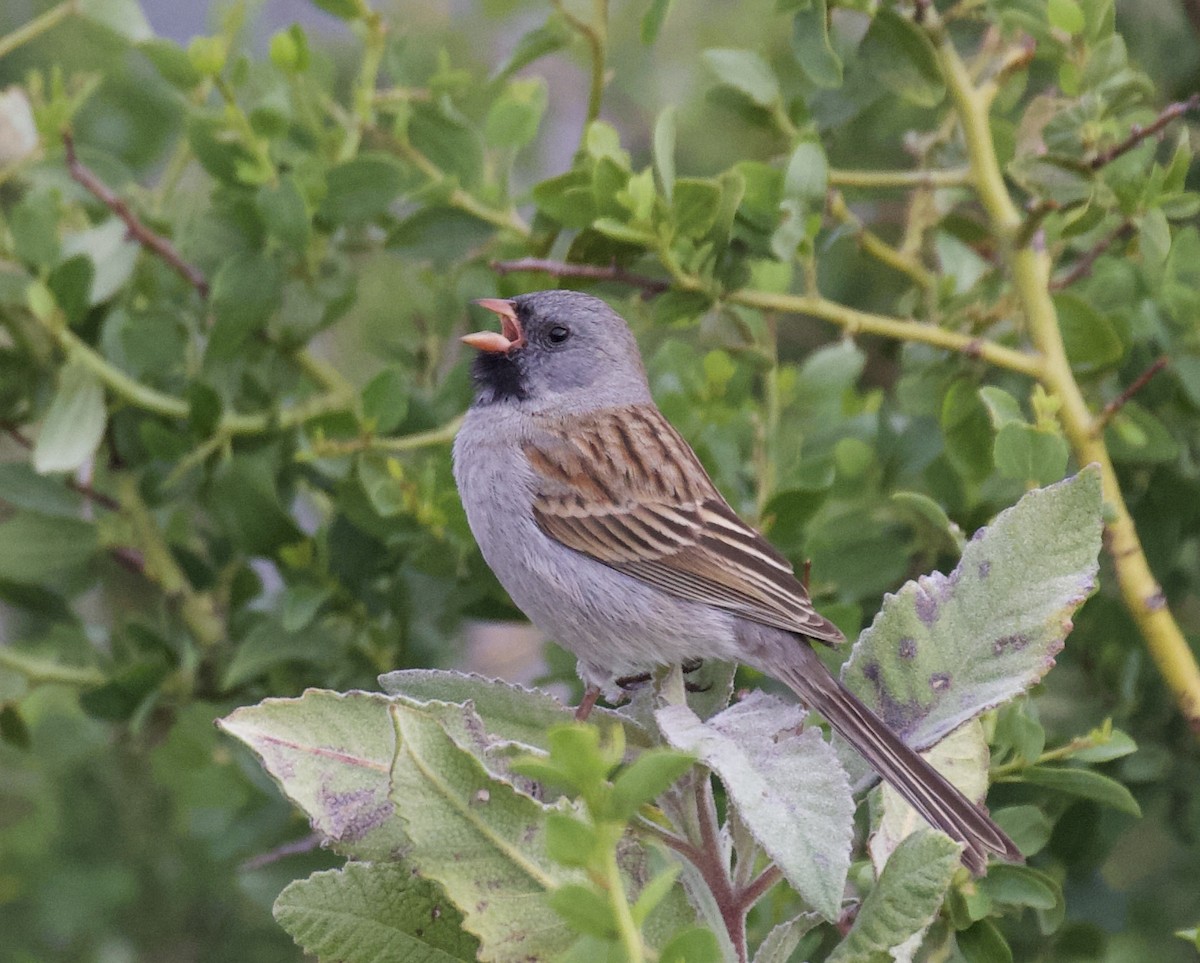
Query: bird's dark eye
[{"x": 558, "y": 334}]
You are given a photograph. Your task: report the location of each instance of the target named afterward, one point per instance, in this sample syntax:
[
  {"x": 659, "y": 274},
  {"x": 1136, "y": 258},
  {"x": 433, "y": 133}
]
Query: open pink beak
[{"x": 510, "y": 335}]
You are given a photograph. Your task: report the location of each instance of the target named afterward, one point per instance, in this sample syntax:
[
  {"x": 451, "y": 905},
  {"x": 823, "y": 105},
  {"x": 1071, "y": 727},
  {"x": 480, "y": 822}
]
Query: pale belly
[{"x": 614, "y": 623}]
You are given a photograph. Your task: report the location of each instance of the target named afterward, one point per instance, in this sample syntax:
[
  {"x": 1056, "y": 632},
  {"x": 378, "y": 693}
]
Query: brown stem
[
  {"x": 84, "y": 489},
  {"x": 1138, "y": 133},
  {"x": 1192, "y": 9},
  {"x": 1083, "y": 267},
  {"x": 560, "y": 269},
  {"x": 1119, "y": 402},
  {"x": 305, "y": 844},
  {"x": 715, "y": 871},
  {"x": 137, "y": 230},
  {"x": 758, "y": 887}
]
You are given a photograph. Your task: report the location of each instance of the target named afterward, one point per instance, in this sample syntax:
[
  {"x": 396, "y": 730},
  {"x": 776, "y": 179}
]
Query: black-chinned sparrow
[{"x": 604, "y": 528}]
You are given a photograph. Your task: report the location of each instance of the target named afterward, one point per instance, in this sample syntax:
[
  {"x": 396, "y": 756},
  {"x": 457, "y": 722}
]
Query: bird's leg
[
  {"x": 691, "y": 665},
  {"x": 587, "y": 703}
]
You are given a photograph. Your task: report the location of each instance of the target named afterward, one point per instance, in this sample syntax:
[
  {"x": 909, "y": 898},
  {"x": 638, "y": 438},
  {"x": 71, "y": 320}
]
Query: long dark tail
[{"x": 925, "y": 789}]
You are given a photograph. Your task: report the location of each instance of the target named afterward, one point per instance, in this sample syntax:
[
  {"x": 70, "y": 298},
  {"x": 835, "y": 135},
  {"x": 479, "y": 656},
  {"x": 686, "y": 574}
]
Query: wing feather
[{"x": 624, "y": 488}]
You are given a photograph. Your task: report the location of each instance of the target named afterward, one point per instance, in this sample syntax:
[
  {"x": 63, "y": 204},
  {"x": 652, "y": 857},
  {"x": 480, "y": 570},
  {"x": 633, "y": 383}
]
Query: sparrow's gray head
[{"x": 557, "y": 348}]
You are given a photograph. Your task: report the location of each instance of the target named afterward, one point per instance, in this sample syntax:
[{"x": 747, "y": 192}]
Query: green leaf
[
  {"x": 513, "y": 118},
  {"x": 611, "y": 227},
  {"x": 204, "y": 409},
  {"x": 806, "y": 177},
  {"x": 1092, "y": 342},
  {"x": 902, "y": 57},
  {"x": 34, "y": 226},
  {"x": 300, "y": 604},
  {"x": 362, "y": 189},
  {"x": 1002, "y": 407},
  {"x": 569, "y": 841},
  {"x": 904, "y": 901},
  {"x": 284, "y": 212},
  {"x": 1029, "y": 454},
  {"x": 654, "y": 892},
  {"x": 498, "y": 841},
  {"x": 118, "y": 699},
  {"x": 652, "y": 20},
  {"x": 810, "y": 43},
  {"x": 537, "y": 43},
  {"x": 788, "y": 789},
  {"x": 664, "y": 151},
  {"x": 965, "y": 423},
  {"x": 246, "y": 501},
  {"x": 245, "y": 293},
  {"x": 1085, "y": 783},
  {"x": 71, "y": 284},
  {"x": 982, "y": 942},
  {"x": 268, "y": 644},
  {"x": 342, "y": 9},
  {"x": 511, "y": 714},
  {"x": 746, "y": 72},
  {"x": 783, "y": 939},
  {"x": 931, "y": 517},
  {"x": 22, "y": 487},
  {"x": 385, "y": 400},
  {"x": 39, "y": 546},
  {"x": 585, "y": 909},
  {"x": 1065, "y": 15},
  {"x": 1027, "y": 826},
  {"x": 74, "y": 424},
  {"x": 331, "y": 755},
  {"x": 691, "y": 946},
  {"x": 1021, "y": 886},
  {"x": 945, "y": 648},
  {"x": 112, "y": 253},
  {"x": 650, "y": 775},
  {"x": 448, "y": 140},
  {"x": 1108, "y": 746},
  {"x": 172, "y": 61},
  {"x": 1135, "y": 435},
  {"x": 367, "y": 912},
  {"x": 123, "y": 17},
  {"x": 695, "y": 206}
]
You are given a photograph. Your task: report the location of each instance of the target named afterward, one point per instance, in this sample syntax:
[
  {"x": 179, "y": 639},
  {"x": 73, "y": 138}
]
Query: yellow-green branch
[
  {"x": 955, "y": 177},
  {"x": 151, "y": 399},
  {"x": 1030, "y": 267},
  {"x": 37, "y": 26},
  {"x": 878, "y": 248},
  {"x": 864, "y": 322}
]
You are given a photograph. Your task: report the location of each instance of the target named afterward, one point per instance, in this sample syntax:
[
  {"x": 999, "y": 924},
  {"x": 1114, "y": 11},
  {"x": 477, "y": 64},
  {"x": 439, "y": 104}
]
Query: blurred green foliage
[{"x": 214, "y": 493}]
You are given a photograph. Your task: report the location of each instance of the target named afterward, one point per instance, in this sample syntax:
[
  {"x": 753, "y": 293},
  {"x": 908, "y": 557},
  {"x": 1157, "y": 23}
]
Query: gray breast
[{"x": 613, "y": 622}]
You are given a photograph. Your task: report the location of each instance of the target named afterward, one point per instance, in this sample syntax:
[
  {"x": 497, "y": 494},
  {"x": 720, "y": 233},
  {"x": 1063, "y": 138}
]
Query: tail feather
[{"x": 923, "y": 787}]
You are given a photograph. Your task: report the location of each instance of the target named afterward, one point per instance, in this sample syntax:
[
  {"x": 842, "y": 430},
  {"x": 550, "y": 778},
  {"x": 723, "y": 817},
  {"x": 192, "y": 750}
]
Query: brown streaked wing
[{"x": 624, "y": 488}]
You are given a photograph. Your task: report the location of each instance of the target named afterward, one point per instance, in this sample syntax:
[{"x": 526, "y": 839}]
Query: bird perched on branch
[{"x": 604, "y": 528}]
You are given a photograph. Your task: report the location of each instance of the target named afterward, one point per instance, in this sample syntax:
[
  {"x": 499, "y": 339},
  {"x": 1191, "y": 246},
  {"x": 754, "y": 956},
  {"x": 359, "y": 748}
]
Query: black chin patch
[{"x": 498, "y": 377}]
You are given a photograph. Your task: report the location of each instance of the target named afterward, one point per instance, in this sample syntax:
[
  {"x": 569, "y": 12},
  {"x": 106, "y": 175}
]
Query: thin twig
[
  {"x": 1083, "y": 267},
  {"x": 81, "y": 488},
  {"x": 599, "y": 272},
  {"x": 878, "y": 248},
  {"x": 752, "y": 893},
  {"x": 335, "y": 448},
  {"x": 305, "y": 844},
  {"x": 1138, "y": 133},
  {"x": 137, "y": 230},
  {"x": 1109, "y": 410},
  {"x": 37, "y": 26}
]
